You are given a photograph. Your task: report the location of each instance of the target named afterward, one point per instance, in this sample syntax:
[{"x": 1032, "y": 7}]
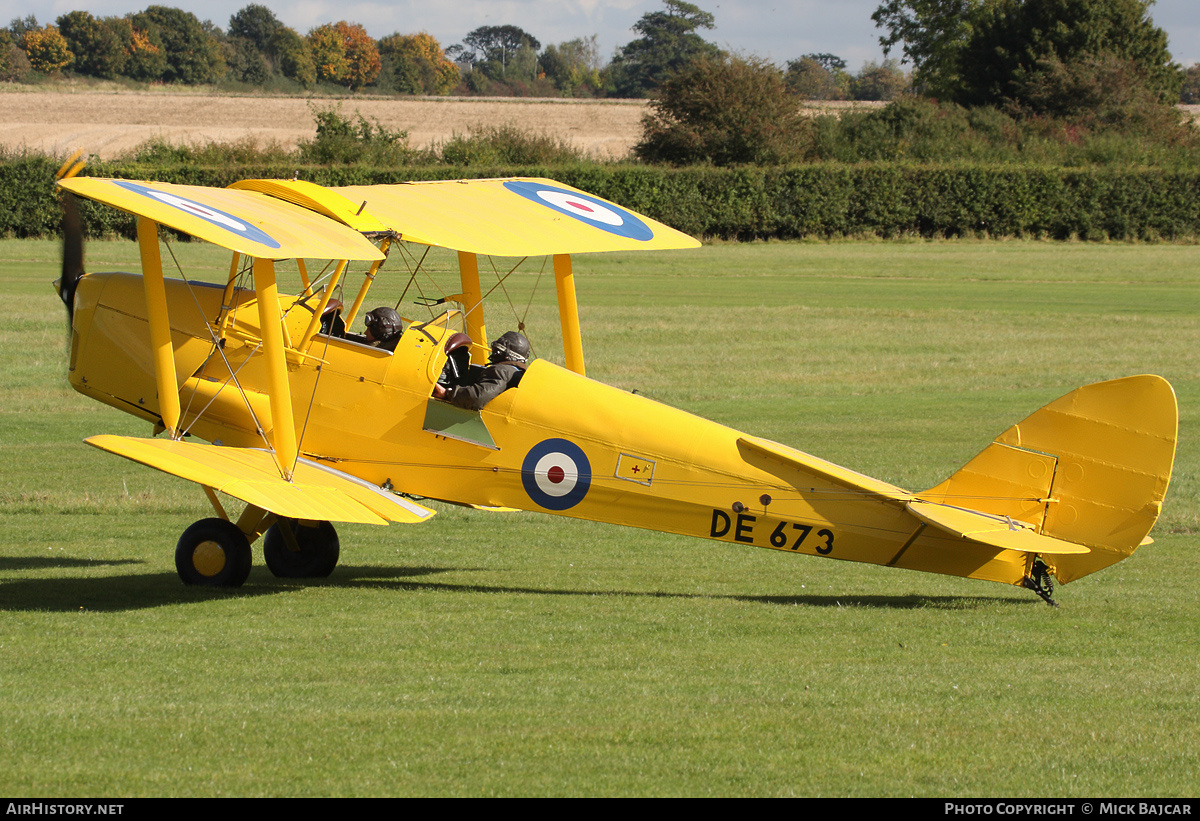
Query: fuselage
[{"x": 558, "y": 443}]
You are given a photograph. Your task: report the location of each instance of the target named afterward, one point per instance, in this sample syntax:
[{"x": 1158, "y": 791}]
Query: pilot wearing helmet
[
  {"x": 384, "y": 328},
  {"x": 506, "y": 366}
]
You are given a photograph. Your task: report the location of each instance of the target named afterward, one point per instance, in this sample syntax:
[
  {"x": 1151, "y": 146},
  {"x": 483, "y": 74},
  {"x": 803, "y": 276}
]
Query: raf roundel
[
  {"x": 556, "y": 474},
  {"x": 207, "y": 213},
  {"x": 587, "y": 209}
]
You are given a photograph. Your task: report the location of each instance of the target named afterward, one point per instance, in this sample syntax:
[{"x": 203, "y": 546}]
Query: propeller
[{"x": 72, "y": 257}]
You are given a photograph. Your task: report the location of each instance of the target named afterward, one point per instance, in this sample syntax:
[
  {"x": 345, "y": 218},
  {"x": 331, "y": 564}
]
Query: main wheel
[
  {"x": 213, "y": 552},
  {"x": 313, "y": 555}
]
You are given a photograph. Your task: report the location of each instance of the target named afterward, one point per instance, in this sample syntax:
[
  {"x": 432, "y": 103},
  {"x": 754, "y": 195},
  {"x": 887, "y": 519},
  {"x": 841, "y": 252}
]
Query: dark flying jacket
[{"x": 485, "y": 385}]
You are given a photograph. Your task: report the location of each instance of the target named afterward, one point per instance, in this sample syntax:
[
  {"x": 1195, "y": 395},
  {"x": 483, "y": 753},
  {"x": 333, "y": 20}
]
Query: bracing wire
[
  {"x": 414, "y": 271},
  {"x": 500, "y": 283},
  {"x": 218, "y": 348}
]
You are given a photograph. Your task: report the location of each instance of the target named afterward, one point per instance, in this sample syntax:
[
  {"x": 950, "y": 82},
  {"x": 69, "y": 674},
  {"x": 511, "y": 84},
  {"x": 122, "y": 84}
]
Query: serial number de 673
[{"x": 762, "y": 532}]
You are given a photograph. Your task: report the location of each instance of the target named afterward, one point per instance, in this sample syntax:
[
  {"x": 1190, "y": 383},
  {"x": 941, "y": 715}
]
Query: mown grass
[{"x": 489, "y": 654}]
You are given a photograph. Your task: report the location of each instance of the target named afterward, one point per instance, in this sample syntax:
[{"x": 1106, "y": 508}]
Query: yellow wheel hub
[{"x": 208, "y": 558}]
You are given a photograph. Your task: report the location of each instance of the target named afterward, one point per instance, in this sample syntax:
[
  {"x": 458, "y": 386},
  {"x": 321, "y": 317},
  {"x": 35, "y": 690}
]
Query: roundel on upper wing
[
  {"x": 587, "y": 209},
  {"x": 556, "y": 474},
  {"x": 207, "y": 213}
]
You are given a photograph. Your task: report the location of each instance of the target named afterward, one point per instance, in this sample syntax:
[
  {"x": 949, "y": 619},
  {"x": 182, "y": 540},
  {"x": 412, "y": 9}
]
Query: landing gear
[
  {"x": 216, "y": 553},
  {"x": 213, "y": 553},
  {"x": 300, "y": 551},
  {"x": 1040, "y": 581}
]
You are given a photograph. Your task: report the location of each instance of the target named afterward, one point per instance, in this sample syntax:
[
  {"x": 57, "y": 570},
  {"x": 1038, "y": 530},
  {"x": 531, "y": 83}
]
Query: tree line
[
  {"x": 168, "y": 45},
  {"x": 968, "y": 51}
]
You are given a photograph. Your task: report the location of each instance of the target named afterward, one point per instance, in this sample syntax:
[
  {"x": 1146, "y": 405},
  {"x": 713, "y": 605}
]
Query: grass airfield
[{"x": 521, "y": 654}]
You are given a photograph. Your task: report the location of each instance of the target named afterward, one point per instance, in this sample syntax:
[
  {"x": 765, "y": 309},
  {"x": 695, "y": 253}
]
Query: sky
[{"x": 779, "y": 30}]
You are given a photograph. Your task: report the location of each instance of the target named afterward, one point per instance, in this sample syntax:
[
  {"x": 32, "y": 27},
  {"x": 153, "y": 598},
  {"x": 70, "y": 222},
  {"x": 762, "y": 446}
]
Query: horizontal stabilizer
[
  {"x": 316, "y": 492},
  {"x": 812, "y": 467},
  {"x": 997, "y": 531}
]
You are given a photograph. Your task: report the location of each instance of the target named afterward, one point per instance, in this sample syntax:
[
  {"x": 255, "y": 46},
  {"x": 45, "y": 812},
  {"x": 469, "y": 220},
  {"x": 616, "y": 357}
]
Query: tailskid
[{"x": 1040, "y": 581}]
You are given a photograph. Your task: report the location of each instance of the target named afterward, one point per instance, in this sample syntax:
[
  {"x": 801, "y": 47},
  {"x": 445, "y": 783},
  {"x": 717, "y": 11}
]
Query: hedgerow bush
[
  {"x": 914, "y": 129},
  {"x": 343, "y": 140},
  {"x": 505, "y": 145},
  {"x": 778, "y": 202}
]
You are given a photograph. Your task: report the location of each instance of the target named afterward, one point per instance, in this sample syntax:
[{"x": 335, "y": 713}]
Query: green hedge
[{"x": 824, "y": 201}]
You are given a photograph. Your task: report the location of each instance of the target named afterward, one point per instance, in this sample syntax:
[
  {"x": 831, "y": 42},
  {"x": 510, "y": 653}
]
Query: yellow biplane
[{"x": 307, "y": 425}]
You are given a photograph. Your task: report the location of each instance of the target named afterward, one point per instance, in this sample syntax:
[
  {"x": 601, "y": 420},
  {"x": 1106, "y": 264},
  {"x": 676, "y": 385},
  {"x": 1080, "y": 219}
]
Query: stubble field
[{"x": 107, "y": 123}]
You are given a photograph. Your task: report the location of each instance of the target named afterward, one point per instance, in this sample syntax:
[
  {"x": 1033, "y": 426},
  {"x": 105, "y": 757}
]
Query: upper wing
[
  {"x": 248, "y": 222},
  {"x": 511, "y": 217},
  {"x": 282, "y": 219}
]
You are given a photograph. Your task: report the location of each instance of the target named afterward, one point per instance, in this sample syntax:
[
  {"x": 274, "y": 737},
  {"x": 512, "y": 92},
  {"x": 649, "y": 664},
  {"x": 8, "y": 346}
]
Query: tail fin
[{"x": 1090, "y": 468}]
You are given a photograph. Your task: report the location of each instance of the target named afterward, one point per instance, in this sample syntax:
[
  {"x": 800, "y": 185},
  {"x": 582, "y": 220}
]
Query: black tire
[
  {"x": 213, "y": 553},
  {"x": 316, "y": 558}
]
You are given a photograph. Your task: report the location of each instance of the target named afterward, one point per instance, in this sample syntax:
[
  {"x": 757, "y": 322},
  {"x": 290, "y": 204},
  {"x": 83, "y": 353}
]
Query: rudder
[{"x": 1091, "y": 468}]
